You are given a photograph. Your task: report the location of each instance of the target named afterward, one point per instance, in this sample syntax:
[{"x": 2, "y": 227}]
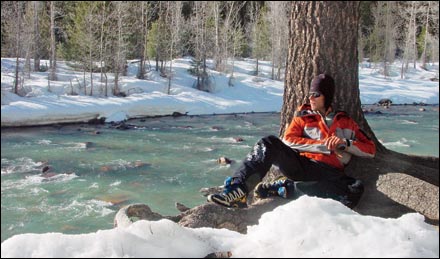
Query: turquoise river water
[{"x": 95, "y": 170}]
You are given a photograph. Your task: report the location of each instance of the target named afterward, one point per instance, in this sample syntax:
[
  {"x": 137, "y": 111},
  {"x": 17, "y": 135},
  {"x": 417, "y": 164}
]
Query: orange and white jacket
[{"x": 308, "y": 129}]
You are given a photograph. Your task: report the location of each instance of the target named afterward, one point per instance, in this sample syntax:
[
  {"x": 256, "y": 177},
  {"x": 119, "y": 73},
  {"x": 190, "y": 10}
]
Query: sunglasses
[{"x": 315, "y": 95}]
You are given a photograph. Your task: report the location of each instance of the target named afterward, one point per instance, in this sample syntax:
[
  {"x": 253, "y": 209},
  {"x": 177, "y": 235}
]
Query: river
[{"x": 96, "y": 169}]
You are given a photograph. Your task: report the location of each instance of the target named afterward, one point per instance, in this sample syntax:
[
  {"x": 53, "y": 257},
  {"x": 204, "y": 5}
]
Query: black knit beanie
[{"x": 325, "y": 85}]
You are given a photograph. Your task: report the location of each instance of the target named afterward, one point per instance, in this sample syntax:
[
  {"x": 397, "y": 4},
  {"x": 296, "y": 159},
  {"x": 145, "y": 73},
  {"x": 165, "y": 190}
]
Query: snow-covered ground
[
  {"x": 148, "y": 97},
  {"x": 306, "y": 227}
]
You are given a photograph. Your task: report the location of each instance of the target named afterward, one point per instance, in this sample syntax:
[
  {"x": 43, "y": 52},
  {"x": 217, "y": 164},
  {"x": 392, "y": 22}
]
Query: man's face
[{"x": 317, "y": 101}]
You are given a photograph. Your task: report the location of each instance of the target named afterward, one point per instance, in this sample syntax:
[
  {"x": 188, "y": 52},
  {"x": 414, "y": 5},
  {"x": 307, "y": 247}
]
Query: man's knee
[{"x": 270, "y": 140}]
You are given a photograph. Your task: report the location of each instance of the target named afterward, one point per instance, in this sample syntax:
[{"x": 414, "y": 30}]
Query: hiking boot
[
  {"x": 356, "y": 187},
  {"x": 281, "y": 186},
  {"x": 355, "y": 194},
  {"x": 233, "y": 196},
  {"x": 354, "y": 190}
]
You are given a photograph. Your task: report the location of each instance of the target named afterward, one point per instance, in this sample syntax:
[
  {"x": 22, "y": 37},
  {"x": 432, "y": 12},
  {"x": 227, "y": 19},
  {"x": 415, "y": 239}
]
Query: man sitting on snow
[{"x": 316, "y": 146}]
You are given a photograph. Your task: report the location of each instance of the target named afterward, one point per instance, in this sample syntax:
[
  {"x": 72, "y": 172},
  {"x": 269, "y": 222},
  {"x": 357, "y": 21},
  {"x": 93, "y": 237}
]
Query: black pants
[{"x": 328, "y": 182}]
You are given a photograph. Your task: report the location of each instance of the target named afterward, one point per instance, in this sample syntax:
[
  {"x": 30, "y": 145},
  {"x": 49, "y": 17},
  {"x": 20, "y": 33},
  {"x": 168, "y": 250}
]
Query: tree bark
[
  {"x": 426, "y": 36},
  {"x": 37, "y": 38},
  {"x": 53, "y": 59},
  {"x": 18, "y": 46},
  {"x": 323, "y": 39}
]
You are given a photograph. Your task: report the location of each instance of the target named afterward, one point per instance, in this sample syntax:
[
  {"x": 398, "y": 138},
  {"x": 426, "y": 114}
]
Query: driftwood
[{"x": 395, "y": 184}]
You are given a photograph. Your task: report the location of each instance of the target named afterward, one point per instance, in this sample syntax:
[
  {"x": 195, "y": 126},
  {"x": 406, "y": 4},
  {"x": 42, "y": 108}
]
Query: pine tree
[{"x": 260, "y": 39}]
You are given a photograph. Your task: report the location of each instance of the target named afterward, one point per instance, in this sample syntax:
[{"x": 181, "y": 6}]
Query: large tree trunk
[{"x": 323, "y": 39}]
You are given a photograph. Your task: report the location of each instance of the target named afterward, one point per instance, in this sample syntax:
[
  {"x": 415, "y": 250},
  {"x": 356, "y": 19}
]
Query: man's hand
[{"x": 335, "y": 143}]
